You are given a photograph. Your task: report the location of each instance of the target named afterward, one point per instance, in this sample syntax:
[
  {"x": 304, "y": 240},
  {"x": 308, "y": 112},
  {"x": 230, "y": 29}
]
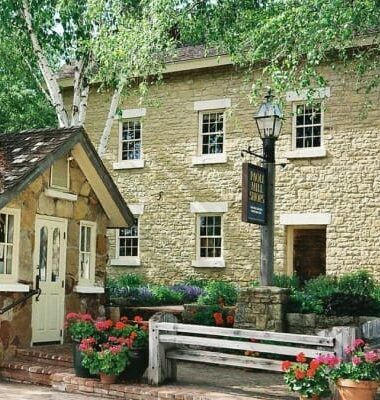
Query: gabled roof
[{"x": 26, "y": 155}]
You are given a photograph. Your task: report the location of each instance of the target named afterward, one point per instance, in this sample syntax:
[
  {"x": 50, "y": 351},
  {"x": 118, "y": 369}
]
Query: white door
[{"x": 50, "y": 267}]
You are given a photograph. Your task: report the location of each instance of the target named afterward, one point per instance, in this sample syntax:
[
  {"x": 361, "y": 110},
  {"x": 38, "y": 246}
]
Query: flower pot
[
  {"x": 109, "y": 379},
  {"x": 314, "y": 397},
  {"x": 138, "y": 363},
  {"x": 357, "y": 390},
  {"x": 79, "y": 369}
]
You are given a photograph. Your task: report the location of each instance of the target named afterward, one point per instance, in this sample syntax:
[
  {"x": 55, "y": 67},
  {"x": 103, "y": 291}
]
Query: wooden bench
[{"x": 170, "y": 341}]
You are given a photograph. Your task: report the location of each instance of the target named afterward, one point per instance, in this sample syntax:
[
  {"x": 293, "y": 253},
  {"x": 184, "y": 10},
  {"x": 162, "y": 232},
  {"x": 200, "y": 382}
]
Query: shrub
[
  {"x": 190, "y": 293},
  {"x": 201, "y": 283},
  {"x": 349, "y": 304},
  {"x": 219, "y": 292},
  {"x": 320, "y": 287},
  {"x": 130, "y": 280},
  {"x": 301, "y": 302},
  {"x": 359, "y": 283},
  {"x": 287, "y": 282},
  {"x": 165, "y": 296}
]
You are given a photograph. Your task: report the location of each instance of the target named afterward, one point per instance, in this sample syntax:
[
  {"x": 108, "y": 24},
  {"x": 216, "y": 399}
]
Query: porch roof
[{"x": 26, "y": 155}]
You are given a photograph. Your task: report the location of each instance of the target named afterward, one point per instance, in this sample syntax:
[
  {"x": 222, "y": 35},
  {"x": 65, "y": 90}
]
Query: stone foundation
[{"x": 261, "y": 308}]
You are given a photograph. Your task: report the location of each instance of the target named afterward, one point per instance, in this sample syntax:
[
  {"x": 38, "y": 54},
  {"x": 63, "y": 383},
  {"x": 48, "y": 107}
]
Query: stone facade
[
  {"x": 15, "y": 325},
  {"x": 344, "y": 184}
]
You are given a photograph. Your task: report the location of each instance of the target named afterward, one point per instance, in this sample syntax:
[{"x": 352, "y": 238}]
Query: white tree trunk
[
  {"x": 77, "y": 89},
  {"x": 83, "y": 103},
  {"x": 110, "y": 118},
  {"x": 50, "y": 80}
]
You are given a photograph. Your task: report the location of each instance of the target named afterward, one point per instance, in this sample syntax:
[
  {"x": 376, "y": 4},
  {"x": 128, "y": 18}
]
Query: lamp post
[{"x": 269, "y": 122}]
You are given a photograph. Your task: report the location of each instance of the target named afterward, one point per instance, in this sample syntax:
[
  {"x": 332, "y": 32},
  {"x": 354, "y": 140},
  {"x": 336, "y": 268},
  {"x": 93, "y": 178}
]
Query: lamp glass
[{"x": 269, "y": 119}]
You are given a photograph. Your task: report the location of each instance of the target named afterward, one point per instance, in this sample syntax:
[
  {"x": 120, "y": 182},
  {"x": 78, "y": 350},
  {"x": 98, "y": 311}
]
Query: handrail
[{"x": 31, "y": 293}]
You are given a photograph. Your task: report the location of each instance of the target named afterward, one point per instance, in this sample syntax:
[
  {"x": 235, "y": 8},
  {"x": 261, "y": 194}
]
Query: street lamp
[{"x": 269, "y": 122}]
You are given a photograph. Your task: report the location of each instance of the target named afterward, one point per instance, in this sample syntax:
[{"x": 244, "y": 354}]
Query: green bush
[
  {"x": 287, "y": 282},
  {"x": 320, "y": 287},
  {"x": 201, "y": 283},
  {"x": 359, "y": 283},
  {"x": 350, "y": 304},
  {"x": 219, "y": 292},
  {"x": 301, "y": 302},
  {"x": 166, "y": 296}
]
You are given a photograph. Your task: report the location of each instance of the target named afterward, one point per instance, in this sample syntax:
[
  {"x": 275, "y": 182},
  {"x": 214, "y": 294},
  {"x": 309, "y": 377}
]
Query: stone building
[
  {"x": 180, "y": 151},
  {"x": 56, "y": 202}
]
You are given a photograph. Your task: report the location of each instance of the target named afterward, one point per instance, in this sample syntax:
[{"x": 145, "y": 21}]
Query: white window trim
[
  {"x": 7, "y": 279},
  {"x": 136, "y": 113},
  {"x": 89, "y": 289},
  {"x": 61, "y": 188},
  {"x": 14, "y": 287},
  {"x": 131, "y": 261},
  {"x": 92, "y": 226},
  {"x": 306, "y": 152},
  {"x": 305, "y": 219},
  {"x": 58, "y": 194},
  {"x": 216, "y": 158},
  {"x": 302, "y": 95},
  {"x": 213, "y": 105},
  {"x": 209, "y": 207}
]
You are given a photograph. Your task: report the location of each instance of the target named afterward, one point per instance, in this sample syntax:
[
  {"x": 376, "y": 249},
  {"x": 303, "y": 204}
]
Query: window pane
[
  {"x": 210, "y": 236},
  {"x": 56, "y": 255},
  {"x": 10, "y": 228},
  {"x": 8, "y": 262},
  {"x": 43, "y": 253},
  {"x": 2, "y": 228},
  {"x": 88, "y": 239},
  {"x": 308, "y": 126},
  {"x": 82, "y": 238},
  {"x": 131, "y": 140},
  {"x": 85, "y": 266}
]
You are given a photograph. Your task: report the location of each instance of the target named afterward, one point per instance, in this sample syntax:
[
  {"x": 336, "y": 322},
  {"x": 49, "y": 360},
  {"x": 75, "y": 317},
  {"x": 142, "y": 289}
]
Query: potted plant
[
  {"x": 139, "y": 355},
  {"x": 79, "y": 326},
  {"x": 359, "y": 377},
  {"x": 107, "y": 359},
  {"x": 309, "y": 379}
]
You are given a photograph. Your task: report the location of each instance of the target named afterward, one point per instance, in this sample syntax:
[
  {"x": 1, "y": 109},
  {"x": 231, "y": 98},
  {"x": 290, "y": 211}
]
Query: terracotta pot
[
  {"x": 104, "y": 378},
  {"x": 357, "y": 390},
  {"x": 315, "y": 397}
]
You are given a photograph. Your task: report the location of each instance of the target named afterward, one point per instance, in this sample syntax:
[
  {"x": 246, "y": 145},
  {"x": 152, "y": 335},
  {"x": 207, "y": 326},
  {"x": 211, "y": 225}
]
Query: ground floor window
[
  {"x": 128, "y": 241},
  {"x": 87, "y": 252},
  {"x": 210, "y": 236}
]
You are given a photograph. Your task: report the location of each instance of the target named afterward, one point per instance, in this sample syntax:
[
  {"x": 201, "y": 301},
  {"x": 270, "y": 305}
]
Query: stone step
[{"x": 45, "y": 357}]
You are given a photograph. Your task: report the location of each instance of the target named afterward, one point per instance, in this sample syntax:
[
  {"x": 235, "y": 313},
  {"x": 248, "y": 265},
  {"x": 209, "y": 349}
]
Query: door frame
[{"x": 40, "y": 217}]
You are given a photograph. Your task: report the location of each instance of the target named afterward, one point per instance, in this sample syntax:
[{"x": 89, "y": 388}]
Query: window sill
[
  {"x": 88, "y": 289},
  {"x": 14, "y": 287},
  {"x": 126, "y": 262},
  {"x": 57, "y": 194},
  {"x": 129, "y": 164},
  {"x": 209, "y": 263},
  {"x": 209, "y": 159},
  {"x": 316, "y": 152}
]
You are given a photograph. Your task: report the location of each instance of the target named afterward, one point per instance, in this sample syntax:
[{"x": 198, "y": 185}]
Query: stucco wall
[
  {"x": 345, "y": 183},
  {"x": 15, "y": 325}
]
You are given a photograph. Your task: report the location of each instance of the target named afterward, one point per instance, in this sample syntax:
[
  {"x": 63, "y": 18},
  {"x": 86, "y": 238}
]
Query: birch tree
[{"x": 112, "y": 42}]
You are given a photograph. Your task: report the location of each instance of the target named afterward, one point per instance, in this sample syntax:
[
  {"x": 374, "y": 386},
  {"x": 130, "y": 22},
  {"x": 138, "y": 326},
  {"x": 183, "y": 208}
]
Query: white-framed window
[
  {"x": 130, "y": 152},
  {"x": 307, "y": 125},
  {"x": 60, "y": 174},
  {"x": 9, "y": 244},
  {"x": 211, "y": 146},
  {"x": 211, "y": 132},
  {"x": 127, "y": 240},
  {"x": 130, "y": 139},
  {"x": 209, "y": 233},
  {"x": 87, "y": 252}
]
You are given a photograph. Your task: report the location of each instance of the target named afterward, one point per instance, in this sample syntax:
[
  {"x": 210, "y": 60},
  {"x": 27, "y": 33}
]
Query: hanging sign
[{"x": 254, "y": 194}]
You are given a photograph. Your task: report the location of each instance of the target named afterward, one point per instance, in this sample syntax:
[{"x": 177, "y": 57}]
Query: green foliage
[
  {"x": 350, "y": 304},
  {"x": 201, "y": 283},
  {"x": 219, "y": 292},
  {"x": 165, "y": 296},
  {"x": 359, "y": 283},
  {"x": 106, "y": 361},
  {"x": 126, "y": 280},
  {"x": 322, "y": 286},
  {"x": 141, "y": 335},
  {"x": 286, "y": 282},
  {"x": 81, "y": 330}
]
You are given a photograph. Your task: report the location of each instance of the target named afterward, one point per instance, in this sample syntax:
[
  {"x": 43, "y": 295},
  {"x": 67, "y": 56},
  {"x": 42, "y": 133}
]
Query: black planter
[
  {"x": 138, "y": 364},
  {"x": 80, "y": 370}
]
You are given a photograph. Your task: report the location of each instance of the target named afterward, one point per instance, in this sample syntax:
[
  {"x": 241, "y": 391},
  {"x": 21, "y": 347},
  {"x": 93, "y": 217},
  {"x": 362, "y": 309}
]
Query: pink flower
[
  {"x": 103, "y": 325},
  {"x": 348, "y": 350},
  {"x": 112, "y": 339},
  {"x": 356, "y": 360},
  {"x": 115, "y": 349},
  {"x": 328, "y": 359},
  {"x": 359, "y": 343},
  {"x": 371, "y": 356}
]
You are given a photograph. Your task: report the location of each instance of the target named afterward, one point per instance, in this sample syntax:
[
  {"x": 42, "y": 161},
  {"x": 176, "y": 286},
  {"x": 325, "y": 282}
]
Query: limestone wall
[
  {"x": 345, "y": 183},
  {"x": 15, "y": 325}
]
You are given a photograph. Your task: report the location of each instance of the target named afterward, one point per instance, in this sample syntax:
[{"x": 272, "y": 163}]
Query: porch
[{"x": 52, "y": 366}]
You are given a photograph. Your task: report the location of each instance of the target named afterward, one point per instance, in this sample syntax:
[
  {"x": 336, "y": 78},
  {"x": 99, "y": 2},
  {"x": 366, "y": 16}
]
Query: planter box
[{"x": 191, "y": 310}]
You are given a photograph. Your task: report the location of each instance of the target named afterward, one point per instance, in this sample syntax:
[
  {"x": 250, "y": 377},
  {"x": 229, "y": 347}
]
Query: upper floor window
[
  {"x": 60, "y": 174},
  {"x": 212, "y": 132},
  {"x": 9, "y": 234},
  {"x": 87, "y": 252},
  {"x": 131, "y": 140},
  {"x": 307, "y": 126}
]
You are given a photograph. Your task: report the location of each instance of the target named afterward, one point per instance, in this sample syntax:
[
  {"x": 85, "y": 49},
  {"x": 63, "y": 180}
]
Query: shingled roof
[{"x": 26, "y": 155}]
